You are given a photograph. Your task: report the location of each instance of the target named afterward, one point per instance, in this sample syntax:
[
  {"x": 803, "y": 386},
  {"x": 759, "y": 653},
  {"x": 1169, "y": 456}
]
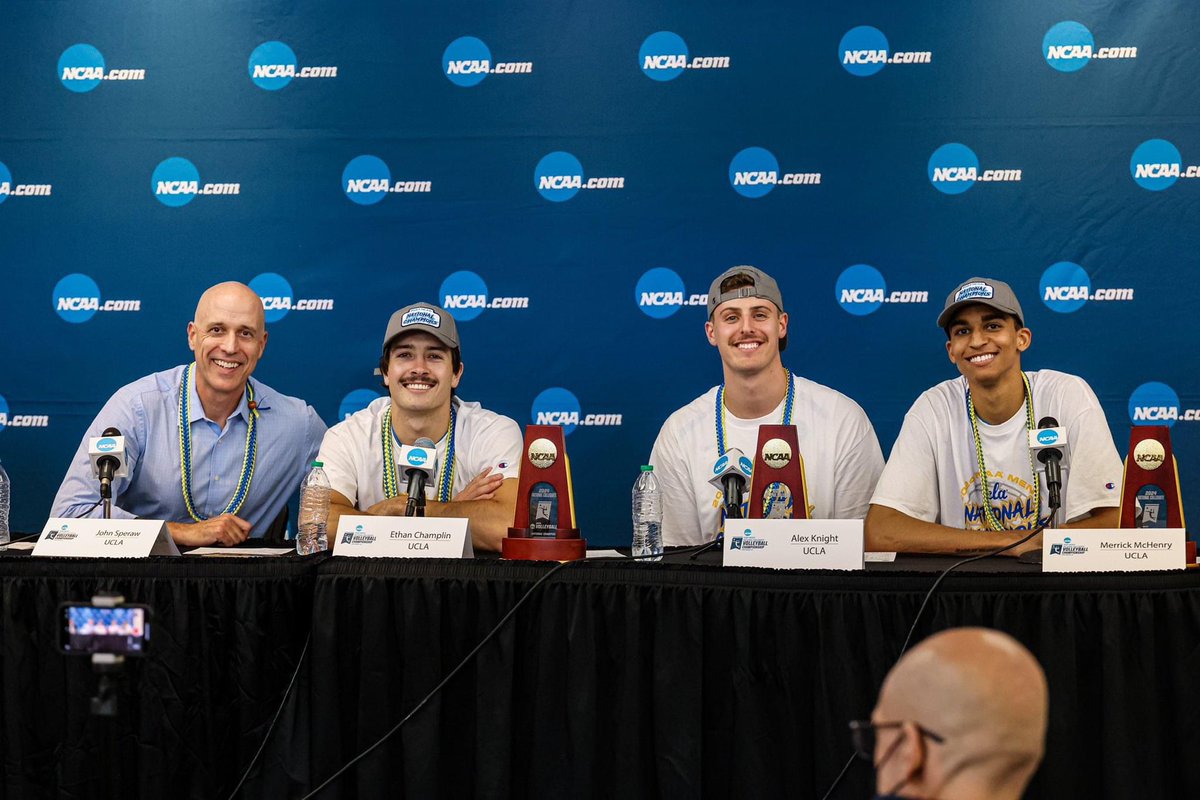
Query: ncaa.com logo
[
  {"x": 467, "y": 61},
  {"x": 81, "y": 68},
  {"x": 1069, "y": 46},
  {"x": 76, "y": 298},
  {"x": 465, "y": 296},
  {"x": 558, "y": 177},
  {"x": 861, "y": 290},
  {"x": 754, "y": 172},
  {"x": 278, "y": 299},
  {"x": 953, "y": 168},
  {"x": 660, "y": 293},
  {"x": 1066, "y": 287},
  {"x": 864, "y": 51},
  {"x": 1156, "y": 403},
  {"x": 1156, "y": 165},
  {"x": 273, "y": 65},
  {"x": 10, "y": 420},
  {"x": 9, "y": 189},
  {"x": 664, "y": 56},
  {"x": 558, "y": 406},
  {"x": 366, "y": 180},
  {"x": 176, "y": 182},
  {"x": 356, "y": 401}
]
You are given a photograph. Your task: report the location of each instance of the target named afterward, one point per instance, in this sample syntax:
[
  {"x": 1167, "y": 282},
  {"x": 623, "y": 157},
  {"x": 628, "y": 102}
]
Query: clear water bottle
[
  {"x": 647, "y": 515},
  {"x": 314, "y": 512},
  {"x": 5, "y": 502}
]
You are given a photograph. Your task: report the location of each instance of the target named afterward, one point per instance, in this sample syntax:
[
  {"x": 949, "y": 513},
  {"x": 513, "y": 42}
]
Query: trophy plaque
[
  {"x": 778, "y": 489},
  {"x": 544, "y": 524}
]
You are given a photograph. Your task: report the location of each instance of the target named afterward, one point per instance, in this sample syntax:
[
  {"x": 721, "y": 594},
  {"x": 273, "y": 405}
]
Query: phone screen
[{"x": 86, "y": 629}]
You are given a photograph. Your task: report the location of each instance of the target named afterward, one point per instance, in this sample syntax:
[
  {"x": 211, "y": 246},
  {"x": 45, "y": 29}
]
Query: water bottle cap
[
  {"x": 647, "y": 468},
  {"x": 318, "y": 464}
]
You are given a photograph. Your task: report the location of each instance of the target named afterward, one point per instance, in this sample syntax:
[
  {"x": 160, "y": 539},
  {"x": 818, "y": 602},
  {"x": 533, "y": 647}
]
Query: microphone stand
[{"x": 1054, "y": 500}]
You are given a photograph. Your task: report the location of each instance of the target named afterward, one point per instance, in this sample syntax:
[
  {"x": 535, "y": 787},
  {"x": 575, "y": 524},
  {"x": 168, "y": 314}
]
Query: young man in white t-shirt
[
  {"x": 842, "y": 459},
  {"x": 961, "y": 476},
  {"x": 478, "y": 451}
]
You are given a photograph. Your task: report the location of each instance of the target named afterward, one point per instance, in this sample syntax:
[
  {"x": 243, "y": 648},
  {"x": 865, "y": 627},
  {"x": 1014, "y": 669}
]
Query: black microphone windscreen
[
  {"x": 111, "y": 431},
  {"x": 1048, "y": 422}
]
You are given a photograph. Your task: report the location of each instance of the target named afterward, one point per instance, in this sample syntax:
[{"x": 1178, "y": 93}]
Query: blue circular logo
[
  {"x": 464, "y": 295},
  {"x": 272, "y": 66},
  {"x": 1047, "y": 437},
  {"x": 720, "y": 464},
  {"x": 5, "y": 177},
  {"x": 556, "y": 406},
  {"x": 753, "y": 172},
  {"x": 417, "y": 458},
  {"x": 1154, "y": 403},
  {"x": 175, "y": 182},
  {"x": 106, "y": 445},
  {"x": 466, "y": 61},
  {"x": 1065, "y": 287},
  {"x": 76, "y": 297},
  {"x": 276, "y": 294},
  {"x": 659, "y": 293},
  {"x": 953, "y": 168},
  {"x": 1068, "y": 46},
  {"x": 366, "y": 180},
  {"x": 356, "y": 401},
  {"x": 1155, "y": 164},
  {"x": 746, "y": 466},
  {"x": 558, "y": 176},
  {"x": 663, "y": 56},
  {"x": 3, "y": 412},
  {"x": 81, "y": 68},
  {"x": 863, "y": 51},
  {"x": 860, "y": 289}
]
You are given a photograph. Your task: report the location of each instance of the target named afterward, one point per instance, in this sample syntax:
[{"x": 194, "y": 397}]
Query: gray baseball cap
[
  {"x": 764, "y": 286},
  {"x": 423, "y": 317},
  {"x": 985, "y": 291}
]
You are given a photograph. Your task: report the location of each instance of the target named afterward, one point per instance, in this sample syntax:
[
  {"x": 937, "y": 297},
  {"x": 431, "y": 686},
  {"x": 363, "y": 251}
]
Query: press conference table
[{"x": 637, "y": 680}]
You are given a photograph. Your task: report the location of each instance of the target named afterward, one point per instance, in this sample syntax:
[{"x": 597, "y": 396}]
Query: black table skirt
[
  {"x": 225, "y": 638},
  {"x": 672, "y": 681},
  {"x": 615, "y": 680}
]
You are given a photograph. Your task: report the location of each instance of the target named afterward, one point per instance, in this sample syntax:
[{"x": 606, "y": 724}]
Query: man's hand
[
  {"x": 225, "y": 529},
  {"x": 482, "y": 487},
  {"x": 1033, "y": 544}
]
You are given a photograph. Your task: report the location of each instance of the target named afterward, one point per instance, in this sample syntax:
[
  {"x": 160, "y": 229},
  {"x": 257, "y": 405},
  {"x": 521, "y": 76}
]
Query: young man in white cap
[
  {"x": 478, "y": 451},
  {"x": 961, "y": 476},
  {"x": 749, "y": 328}
]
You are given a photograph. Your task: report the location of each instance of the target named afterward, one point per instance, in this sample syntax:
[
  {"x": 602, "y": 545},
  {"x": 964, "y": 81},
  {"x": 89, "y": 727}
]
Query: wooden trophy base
[{"x": 520, "y": 546}]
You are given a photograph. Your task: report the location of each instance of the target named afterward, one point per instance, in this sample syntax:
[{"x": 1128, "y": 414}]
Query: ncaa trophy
[
  {"x": 778, "y": 489},
  {"x": 1150, "y": 496},
  {"x": 544, "y": 525}
]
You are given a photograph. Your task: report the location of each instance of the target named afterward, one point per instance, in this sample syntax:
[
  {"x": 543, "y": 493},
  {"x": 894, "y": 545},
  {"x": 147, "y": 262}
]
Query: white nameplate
[
  {"x": 1113, "y": 549},
  {"x": 403, "y": 537},
  {"x": 794, "y": 543},
  {"x": 105, "y": 538}
]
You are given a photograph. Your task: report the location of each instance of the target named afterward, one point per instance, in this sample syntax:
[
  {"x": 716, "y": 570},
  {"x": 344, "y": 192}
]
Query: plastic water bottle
[
  {"x": 5, "y": 501},
  {"x": 314, "y": 512},
  {"x": 647, "y": 515}
]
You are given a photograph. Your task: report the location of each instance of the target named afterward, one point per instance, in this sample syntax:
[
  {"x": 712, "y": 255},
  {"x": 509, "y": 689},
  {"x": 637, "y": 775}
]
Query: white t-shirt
[
  {"x": 842, "y": 459},
  {"x": 352, "y": 451},
  {"x": 933, "y": 472}
]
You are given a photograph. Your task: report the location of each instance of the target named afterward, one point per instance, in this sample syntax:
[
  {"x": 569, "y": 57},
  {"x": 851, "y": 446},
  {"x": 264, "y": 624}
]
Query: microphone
[
  {"x": 419, "y": 462},
  {"x": 731, "y": 474},
  {"x": 107, "y": 453},
  {"x": 1046, "y": 441}
]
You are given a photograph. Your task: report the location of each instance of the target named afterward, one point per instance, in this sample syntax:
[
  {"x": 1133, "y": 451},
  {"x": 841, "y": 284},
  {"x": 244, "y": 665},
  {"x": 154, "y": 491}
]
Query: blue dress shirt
[{"x": 147, "y": 413}]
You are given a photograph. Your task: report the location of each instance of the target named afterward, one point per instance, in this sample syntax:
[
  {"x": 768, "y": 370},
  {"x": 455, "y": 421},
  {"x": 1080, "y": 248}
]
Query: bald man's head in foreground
[{"x": 961, "y": 715}]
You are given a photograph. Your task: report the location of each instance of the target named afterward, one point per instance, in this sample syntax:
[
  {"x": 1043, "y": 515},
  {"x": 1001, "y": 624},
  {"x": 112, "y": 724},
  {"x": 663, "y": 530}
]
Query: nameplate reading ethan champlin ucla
[
  {"x": 1113, "y": 549},
  {"x": 105, "y": 538},
  {"x": 403, "y": 537},
  {"x": 794, "y": 543}
]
